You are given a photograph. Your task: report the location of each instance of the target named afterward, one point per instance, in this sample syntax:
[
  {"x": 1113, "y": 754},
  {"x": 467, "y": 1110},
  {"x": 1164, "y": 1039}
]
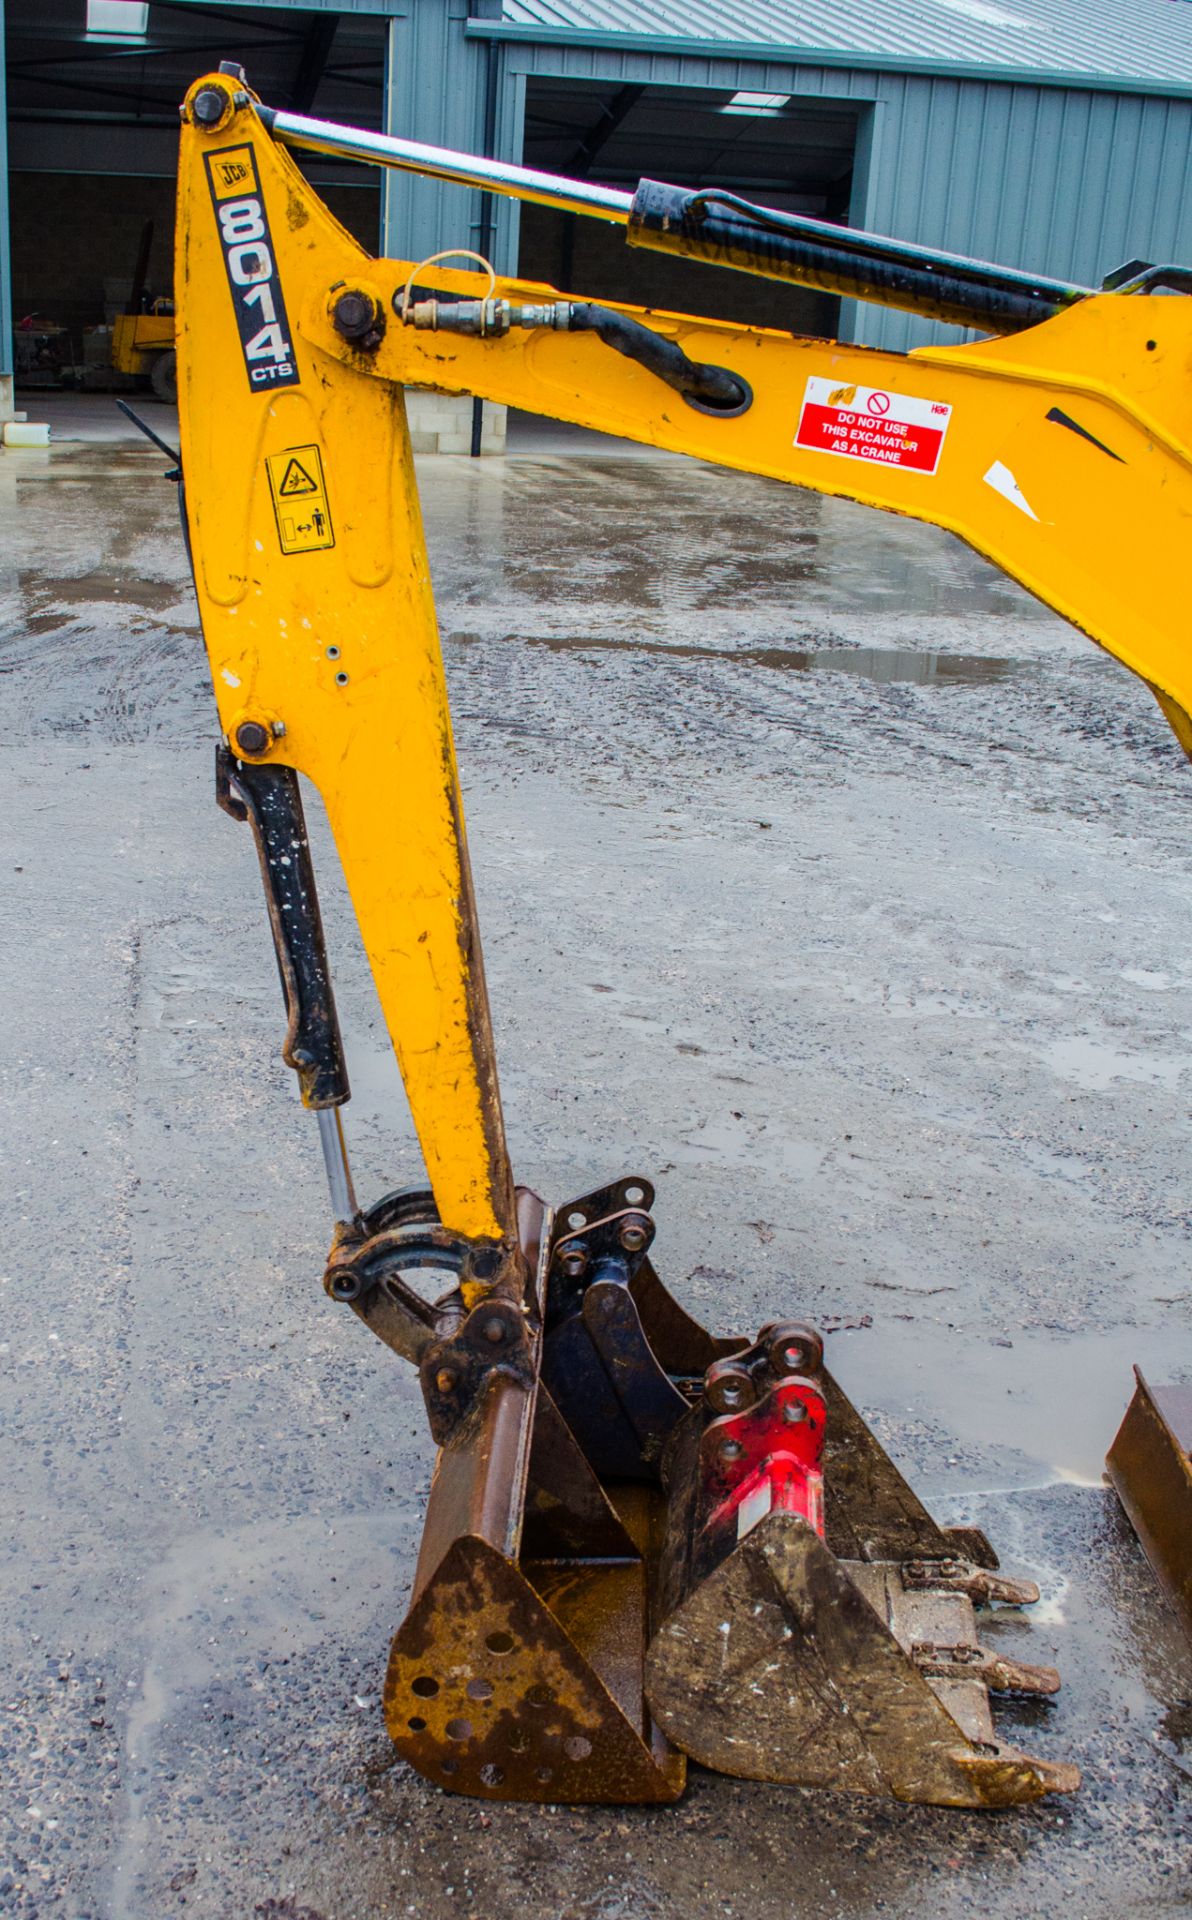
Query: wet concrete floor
[{"x": 825, "y": 879}]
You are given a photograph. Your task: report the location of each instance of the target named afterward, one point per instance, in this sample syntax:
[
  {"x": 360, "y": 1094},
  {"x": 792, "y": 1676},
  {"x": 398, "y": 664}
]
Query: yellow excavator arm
[
  {"x": 559, "y": 1371},
  {"x": 1061, "y": 453}
]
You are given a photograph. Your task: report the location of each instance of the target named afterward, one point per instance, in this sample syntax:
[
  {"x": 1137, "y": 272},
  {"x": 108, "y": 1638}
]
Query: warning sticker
[
  {"x": 300, "y": 500},
  {"x": 867, "y": 423}
]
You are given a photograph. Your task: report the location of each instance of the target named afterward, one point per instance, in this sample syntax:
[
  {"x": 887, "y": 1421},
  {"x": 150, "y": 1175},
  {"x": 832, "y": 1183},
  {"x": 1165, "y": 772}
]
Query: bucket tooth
[
  {"x": 961, "y": 1576},
  {"x": 967, "y": 1661}
]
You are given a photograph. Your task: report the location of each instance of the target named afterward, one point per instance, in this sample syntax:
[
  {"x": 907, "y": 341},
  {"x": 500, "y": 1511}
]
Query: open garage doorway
[
  {"x": 93, "y": 94},
  {"x": 792, "y": 152}
]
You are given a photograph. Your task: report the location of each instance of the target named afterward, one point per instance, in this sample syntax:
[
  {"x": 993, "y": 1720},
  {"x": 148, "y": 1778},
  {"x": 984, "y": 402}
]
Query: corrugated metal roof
[{"x": 1146, "y": 40}]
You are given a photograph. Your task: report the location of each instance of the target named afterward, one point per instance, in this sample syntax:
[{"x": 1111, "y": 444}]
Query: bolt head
[
  {"x": 731, "y": 1449},
  {"x": 794, "y": 1411},
  {"x": 355, "y": 317},
  {"x": 252, "y": 736},
  {"x": 209, "y": 106},
  {"x": 632, "y": 1237},
  {"x": 494, "y": 1330},
  {"x": 573, "y": 1263},
  {"x": 445, "y": 1380}
]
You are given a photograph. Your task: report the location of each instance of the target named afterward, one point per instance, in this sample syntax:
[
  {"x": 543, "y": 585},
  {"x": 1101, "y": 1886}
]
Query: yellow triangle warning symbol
[{"x": 296, "y": 480}]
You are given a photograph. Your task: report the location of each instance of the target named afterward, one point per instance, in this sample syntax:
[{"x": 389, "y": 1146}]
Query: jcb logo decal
[
  {"x": 252, "y": 276},
  {"x": 230, "y": 172}
]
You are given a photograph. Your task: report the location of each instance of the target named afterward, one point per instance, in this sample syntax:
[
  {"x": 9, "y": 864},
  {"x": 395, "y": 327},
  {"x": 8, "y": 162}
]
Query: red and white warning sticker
[{"x": 867, "y": 423}]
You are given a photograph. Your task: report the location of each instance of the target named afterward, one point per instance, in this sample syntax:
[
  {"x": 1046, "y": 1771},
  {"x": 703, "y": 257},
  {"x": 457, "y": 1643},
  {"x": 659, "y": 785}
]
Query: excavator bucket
[{"x": 1150, "y": 1467}]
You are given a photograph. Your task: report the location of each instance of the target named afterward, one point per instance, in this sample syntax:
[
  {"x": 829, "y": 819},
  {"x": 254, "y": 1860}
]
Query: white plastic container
[{"x": 26, "y": 433}]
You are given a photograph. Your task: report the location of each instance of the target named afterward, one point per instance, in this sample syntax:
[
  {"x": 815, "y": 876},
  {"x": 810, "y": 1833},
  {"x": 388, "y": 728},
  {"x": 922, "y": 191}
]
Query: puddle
[
  {"x": 1096, "y": 1064},
  {"x": 887, "y": 666},
  {"x": 1053, "y": 1400},
  {"x": 49, "y": 598},
  {"x": 218, "y": 1611}
]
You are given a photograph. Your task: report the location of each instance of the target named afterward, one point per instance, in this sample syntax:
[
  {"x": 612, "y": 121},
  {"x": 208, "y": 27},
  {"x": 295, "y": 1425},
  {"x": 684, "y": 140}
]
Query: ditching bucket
[
  {"x": 647, "y": 1544},
  {"x": 1150, "y": 1467}
]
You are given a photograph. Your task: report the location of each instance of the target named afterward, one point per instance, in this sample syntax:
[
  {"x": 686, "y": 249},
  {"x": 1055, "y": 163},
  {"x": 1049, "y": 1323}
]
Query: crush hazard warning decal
[
  {"x": 867, "y": 423},
  {"x": 252, "y": 276},
  {"x": 300, "y": 500}
]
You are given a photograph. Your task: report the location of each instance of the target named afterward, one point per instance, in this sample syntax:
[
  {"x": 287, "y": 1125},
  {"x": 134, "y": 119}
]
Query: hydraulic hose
[
  {"x": 713, "y": 389},
  {"x": 719, "y": 227}
]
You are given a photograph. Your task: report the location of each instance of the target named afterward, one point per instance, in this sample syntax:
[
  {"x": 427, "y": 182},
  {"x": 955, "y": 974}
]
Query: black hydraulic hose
[
  {"x": 713, "y": 389},
  {"x": 717, "y": 226}
]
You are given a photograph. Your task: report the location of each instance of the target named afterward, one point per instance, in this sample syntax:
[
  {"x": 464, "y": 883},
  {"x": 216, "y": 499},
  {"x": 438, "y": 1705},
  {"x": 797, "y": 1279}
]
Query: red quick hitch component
[
  {"x": 765, "y": 1459},
  {"x": 761, "y": 1451}
]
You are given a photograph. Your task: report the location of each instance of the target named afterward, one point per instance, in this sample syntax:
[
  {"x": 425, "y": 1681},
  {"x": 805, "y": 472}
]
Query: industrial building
[{"x": 1055, "y": 135}]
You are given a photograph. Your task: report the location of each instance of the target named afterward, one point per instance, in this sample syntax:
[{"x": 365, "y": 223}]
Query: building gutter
[{"x": 858, "y": 61}]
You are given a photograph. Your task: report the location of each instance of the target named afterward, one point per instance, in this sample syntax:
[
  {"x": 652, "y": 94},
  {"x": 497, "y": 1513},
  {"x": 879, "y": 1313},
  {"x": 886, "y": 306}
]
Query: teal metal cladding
[{"x": 1063, "y": 180}]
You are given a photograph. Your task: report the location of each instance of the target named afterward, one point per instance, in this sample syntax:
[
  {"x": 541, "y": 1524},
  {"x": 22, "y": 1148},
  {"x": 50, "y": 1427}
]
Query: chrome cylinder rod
[
  {"x": 467, "y": 170},
  {"x": 335, "y": 1159}
]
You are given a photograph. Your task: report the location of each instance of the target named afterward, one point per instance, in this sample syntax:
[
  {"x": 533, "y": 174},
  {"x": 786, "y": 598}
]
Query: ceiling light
[
  {"x": 757, "y": 104},
  {"x": 117, "y": 19}
]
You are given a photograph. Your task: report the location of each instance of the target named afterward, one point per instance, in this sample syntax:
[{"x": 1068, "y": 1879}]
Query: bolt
[
  {"x": 209, "y": 106},
  {"x": 633, "y": 1236},
  {"x": 358, "y": 319},
  {"x": 494, "y": 1330},
  {"x": 731, "y": 1449},
  {"x": 445, "y": 1380},
  {"x": 794, "y": 1411},
  {"x": 252, "y": 736}
]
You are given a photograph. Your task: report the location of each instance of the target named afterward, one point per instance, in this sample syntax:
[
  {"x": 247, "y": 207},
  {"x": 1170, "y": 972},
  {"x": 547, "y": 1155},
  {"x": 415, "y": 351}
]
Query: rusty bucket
[{"x": 1150, "y": 1467}]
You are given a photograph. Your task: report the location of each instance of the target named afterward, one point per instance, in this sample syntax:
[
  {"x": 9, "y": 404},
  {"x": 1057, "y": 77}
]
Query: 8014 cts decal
[{"x": 252, "y": 276}]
